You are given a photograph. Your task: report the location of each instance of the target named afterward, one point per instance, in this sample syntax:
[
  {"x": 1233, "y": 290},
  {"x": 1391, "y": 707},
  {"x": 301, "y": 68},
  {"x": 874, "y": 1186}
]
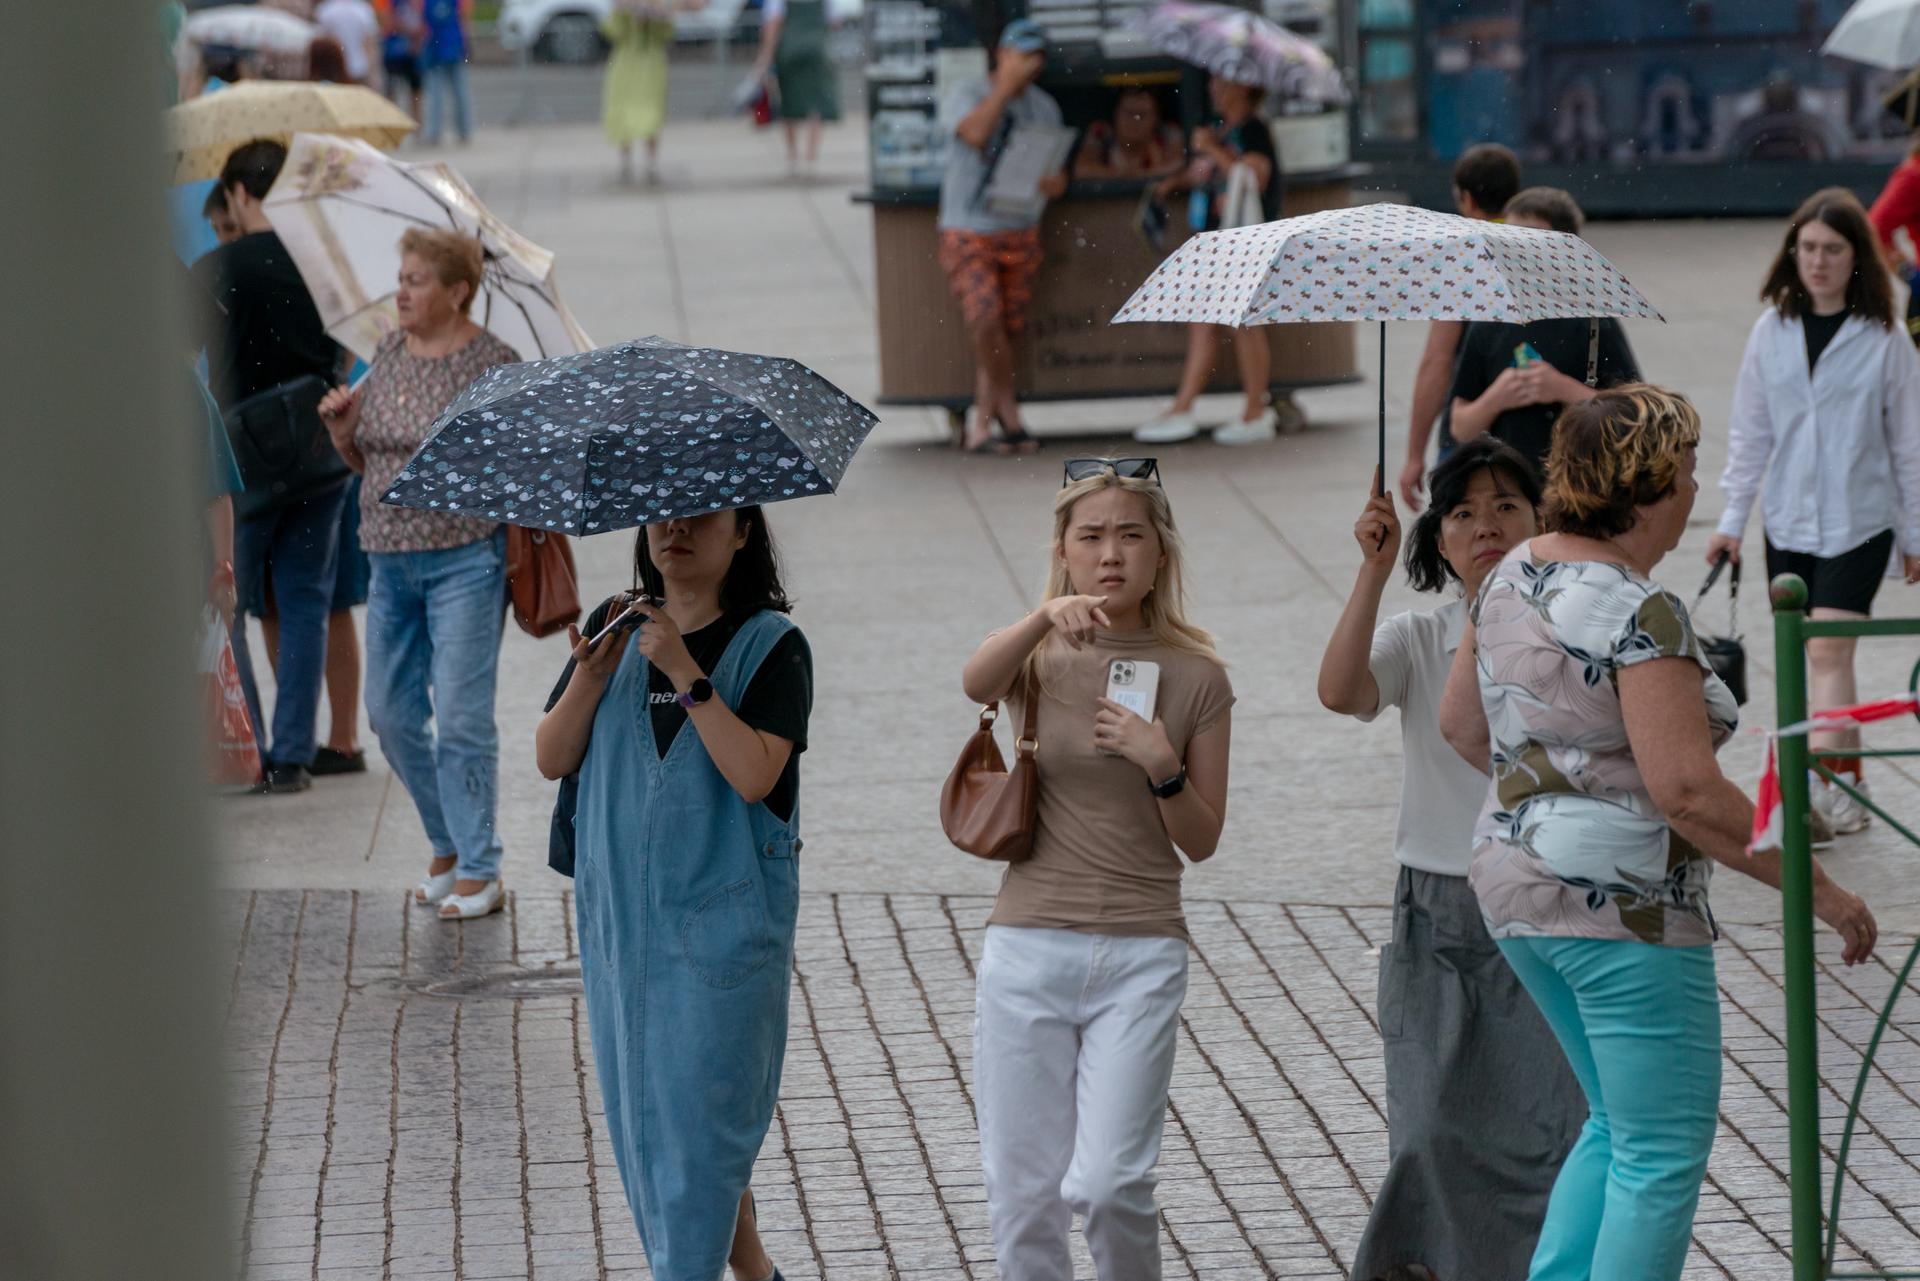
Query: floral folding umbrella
[
  {"x": 1242, "y": 46},
  {"x": 341, "y": 206},
  {"x": 201, "y": 131},
  {"x": 633, "y": 434},
  {"x": 1385, "y": 262}
]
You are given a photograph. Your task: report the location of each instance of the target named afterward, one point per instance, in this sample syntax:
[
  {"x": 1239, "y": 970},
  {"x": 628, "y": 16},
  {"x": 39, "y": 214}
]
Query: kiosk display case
[{"x": 919, "y": 52}]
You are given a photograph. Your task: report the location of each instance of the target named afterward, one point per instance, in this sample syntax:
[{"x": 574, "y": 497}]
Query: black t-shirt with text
[
  {"x": 777, "y": 700},
  {"x": 271, "y": 333},
  {"x": 1489, "y": 347}
]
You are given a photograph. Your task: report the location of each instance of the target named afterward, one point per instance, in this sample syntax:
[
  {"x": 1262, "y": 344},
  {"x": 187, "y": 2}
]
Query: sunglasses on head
[{"x": 1124, "y": 468}]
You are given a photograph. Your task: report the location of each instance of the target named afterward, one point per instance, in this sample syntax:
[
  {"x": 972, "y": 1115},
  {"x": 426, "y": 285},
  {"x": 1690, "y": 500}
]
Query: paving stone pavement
[{"x": 417, "y": 1101}]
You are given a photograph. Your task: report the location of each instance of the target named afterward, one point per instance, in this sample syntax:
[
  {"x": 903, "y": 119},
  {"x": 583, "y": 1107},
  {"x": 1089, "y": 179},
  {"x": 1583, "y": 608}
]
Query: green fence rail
[{"x": 1814, "y": 1241}]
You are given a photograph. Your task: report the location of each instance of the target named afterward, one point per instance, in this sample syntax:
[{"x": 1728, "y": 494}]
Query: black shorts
[
  {"x": 402, "y": 69},
  {"x": 1847, "y": 581}
]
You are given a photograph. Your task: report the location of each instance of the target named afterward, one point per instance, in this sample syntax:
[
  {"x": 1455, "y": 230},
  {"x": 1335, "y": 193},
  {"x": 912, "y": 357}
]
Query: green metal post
[{"x": 1789, "y": 595}]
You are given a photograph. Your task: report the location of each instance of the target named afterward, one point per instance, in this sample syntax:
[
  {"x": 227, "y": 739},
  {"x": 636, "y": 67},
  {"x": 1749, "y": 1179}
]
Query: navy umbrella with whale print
[{"x": 633, "y": 434}]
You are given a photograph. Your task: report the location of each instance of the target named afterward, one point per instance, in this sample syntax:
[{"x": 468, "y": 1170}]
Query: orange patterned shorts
[{"x": 991, "y": 274}]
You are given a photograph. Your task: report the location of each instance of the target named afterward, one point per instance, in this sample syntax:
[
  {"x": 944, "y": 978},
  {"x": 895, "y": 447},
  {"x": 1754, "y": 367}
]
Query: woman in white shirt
[
  {"x": 1481, "y": 1103},
  {"x": 1827, "y": 412}
]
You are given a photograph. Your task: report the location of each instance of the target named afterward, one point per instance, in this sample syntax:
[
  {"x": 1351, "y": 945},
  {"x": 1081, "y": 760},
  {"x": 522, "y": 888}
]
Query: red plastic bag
[
  {"x": 763, "y": 108},
  {"x": 233, "y": 758}
]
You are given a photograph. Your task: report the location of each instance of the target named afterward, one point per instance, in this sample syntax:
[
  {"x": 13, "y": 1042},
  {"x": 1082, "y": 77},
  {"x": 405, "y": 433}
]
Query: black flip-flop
[{"x": 1019, "y": 441}]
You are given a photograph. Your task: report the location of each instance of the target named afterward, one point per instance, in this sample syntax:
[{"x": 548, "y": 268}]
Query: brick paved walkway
[{"x": 416, "y": 1101}]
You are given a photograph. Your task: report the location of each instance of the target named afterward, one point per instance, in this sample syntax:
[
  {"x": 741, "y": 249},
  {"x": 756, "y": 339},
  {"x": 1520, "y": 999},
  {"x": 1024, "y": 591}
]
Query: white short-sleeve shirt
[{"x": 1440, "y": 794}]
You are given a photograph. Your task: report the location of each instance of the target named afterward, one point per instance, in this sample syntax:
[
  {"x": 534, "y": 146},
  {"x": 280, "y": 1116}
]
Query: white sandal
[
  {"x": 467, "y": 907},
  {"x": 434, "y": 890}
]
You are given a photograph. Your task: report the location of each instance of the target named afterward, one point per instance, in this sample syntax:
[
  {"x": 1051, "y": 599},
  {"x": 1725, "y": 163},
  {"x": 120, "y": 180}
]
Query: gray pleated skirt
[{"x": 1481, "y": 1105}]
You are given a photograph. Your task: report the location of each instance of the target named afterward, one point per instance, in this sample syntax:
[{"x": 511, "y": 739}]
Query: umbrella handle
[
  {"x": 1380, "y": 476},
  {"x": 1593, "y": 351}
]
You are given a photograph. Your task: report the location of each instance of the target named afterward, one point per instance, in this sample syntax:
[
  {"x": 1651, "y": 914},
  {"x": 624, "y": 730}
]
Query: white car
[{"x": 569, "y": 30}]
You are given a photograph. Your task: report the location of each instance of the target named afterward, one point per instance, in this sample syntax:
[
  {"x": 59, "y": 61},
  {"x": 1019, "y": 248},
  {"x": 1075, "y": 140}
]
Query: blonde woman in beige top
[{"x": 1085, "y": 962}]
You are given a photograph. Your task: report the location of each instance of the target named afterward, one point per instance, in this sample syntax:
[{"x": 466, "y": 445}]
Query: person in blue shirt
[{"x": 443, "y": 58}]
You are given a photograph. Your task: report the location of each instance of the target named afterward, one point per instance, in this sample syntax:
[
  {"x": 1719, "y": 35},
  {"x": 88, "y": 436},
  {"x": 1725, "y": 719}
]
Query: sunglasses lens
[{"x": 1128, "y": 468}]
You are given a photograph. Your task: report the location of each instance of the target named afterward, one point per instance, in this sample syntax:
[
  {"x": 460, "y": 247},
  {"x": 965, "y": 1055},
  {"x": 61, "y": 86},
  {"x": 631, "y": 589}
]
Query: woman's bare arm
[{"x": 1463, "y": 717}]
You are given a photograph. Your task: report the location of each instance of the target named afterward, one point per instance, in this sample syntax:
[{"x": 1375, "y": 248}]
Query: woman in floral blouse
[
  {"x": 1583, "y": 691},
  {"x": 437, "y": 602}
]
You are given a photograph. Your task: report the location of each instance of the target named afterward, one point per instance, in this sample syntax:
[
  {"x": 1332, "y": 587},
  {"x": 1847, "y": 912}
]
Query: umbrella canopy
[
  {"x": 633, "y": 434},
  {"x": 1880, "y": 33},
  {"x": 202, "y": 131},
  {"x": 1386, "y": 262},
  {"x": 1244, "y": 47},
  {"x": 1383, "y": 262},
  {"x": 250, "y": 26},
  {"x": 341, "y": 206}
]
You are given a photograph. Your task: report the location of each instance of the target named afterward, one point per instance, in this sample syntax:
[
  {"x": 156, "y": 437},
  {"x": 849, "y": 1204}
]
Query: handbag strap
[
  {"x": 1733, "y": 591},
  {"x": 1029, "y": 741}
]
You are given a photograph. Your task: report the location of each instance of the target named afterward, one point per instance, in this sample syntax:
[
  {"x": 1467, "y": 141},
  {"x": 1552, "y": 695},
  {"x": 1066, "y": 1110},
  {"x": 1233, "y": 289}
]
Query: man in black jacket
[{"x": 270, "y": 336}]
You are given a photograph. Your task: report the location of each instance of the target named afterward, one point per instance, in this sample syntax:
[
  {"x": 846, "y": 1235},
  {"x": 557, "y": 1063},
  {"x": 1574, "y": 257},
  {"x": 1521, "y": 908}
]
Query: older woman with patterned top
[
  {"x": 437, "y": 602},
  {"x": 1581, "y": 688}
]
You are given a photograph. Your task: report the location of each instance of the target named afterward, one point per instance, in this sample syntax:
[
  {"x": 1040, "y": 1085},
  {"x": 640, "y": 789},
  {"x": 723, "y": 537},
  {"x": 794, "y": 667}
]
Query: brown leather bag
[
  {"x": 985, "y": 808},
  {"x": 541, "y": 582}
]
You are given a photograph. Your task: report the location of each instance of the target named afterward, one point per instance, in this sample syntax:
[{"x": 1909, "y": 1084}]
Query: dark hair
[
  {"x": 1615, "y": 453},
  {"x": 1550, "y": 205},
  {"x": 1489, "y": 173},
  {"x": 1427, "y": 568},
  {"x": 215, "y": 203},
  {"x": 252, "y": 166},
  {"x": 1869, "y": 292},
  {"x": 327, "y": 61},
  {"x": 753, "y": 580}
]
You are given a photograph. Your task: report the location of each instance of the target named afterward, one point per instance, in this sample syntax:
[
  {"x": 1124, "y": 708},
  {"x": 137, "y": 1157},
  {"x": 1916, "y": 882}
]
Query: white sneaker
[
  {"x": 1849, "y": 815},
  {"x": 1167, "y": 429},
  {"x": 1248, "y": 431}
]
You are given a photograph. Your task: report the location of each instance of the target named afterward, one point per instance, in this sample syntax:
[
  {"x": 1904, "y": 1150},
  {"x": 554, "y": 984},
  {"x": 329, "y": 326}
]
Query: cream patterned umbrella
[
  {"x": 201, "y": 132},
  {"x": 340, "y": 207},
  {"x": 1385, "y": 262}
]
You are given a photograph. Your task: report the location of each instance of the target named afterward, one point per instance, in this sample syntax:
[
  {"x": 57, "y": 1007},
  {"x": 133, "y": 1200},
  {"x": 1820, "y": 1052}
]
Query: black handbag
[
  {"x": 1727, "y": 655},
  {"x": 282, "y": 447}
]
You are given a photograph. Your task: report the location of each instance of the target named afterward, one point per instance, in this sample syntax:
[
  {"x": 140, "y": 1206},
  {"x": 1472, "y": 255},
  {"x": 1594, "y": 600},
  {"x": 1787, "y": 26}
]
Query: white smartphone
[{"x": 1134, "y": 683}]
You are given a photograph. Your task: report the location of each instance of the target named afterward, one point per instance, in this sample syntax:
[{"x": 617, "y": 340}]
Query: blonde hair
[
  {"x": 1165, "y": 607},
  {"x": 1612, "y": 454},
  {"x": 455, "y": 258}
]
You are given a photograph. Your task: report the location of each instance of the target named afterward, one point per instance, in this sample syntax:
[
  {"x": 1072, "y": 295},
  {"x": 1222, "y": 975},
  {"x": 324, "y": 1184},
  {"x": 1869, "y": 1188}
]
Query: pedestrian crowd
[{"x": 1547, "y": 999}]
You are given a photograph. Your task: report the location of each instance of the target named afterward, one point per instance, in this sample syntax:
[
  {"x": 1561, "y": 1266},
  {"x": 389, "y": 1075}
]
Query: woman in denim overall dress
[{"x": 686, "y": 884}]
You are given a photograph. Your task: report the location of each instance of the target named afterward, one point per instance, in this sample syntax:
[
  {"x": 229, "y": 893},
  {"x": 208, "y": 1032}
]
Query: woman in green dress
[
  {"x": 793, "y": 44},
  {"x": 634, "y": 99}
]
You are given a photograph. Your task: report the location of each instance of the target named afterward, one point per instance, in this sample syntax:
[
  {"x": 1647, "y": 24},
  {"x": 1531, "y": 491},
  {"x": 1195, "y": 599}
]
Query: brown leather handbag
[
  {"x": 541, "y": 582},
  {"x": 985, "y": 808}
]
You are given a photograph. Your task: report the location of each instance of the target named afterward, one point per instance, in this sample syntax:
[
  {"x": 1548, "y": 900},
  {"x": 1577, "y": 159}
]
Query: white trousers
[{"x": 1073, "y": 1041}]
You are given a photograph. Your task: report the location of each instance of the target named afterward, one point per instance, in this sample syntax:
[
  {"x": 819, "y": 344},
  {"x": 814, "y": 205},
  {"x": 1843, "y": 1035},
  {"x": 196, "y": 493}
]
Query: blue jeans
[
  {"x": 444, "y": 78},
  {"x": 434, "y": 621},
  {"x": 298, "y": 543},
  {"x": 1640, "y": 1025}
]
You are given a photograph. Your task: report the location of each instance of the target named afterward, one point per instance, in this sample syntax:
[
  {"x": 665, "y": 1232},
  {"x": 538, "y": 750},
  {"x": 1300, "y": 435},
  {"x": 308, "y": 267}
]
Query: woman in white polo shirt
[
  {"x": 1827, "y": 412},
  {"x": 1481, "y": 1104}
]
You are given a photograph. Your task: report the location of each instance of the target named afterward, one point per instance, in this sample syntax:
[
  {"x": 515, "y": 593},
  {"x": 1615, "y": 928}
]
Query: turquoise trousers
[{"x": 1640, "y": 1025}]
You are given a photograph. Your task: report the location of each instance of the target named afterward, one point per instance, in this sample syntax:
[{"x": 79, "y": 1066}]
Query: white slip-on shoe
[
  {"x": 1247, "y": 431},
  {"x": 466, "y": 907},
  {"x": 1167, "y": 429},
  {"x": 433, "y": 891}
]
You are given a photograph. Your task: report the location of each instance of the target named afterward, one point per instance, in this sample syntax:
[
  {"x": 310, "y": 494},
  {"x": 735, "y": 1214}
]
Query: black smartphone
[{"x": 627, "y": 619}]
